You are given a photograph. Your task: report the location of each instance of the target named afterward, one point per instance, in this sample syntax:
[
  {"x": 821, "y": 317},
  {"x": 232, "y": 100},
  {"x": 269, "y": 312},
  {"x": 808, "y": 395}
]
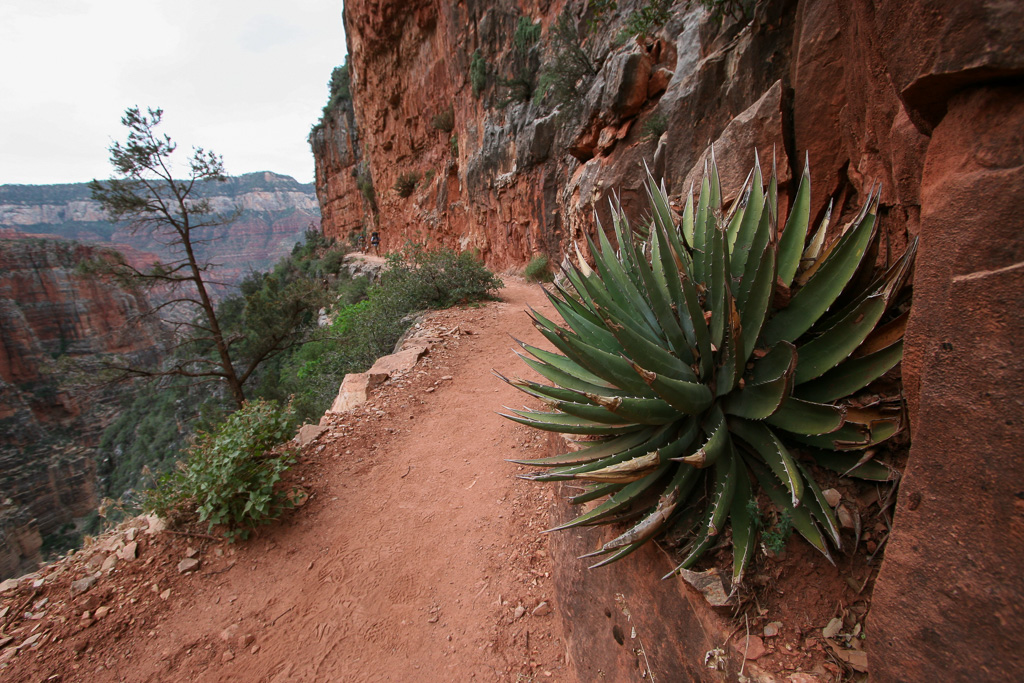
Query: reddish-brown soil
[{"x": 417, "y": 556}]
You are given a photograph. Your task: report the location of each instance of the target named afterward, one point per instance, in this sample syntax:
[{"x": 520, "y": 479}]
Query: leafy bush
[
  {"x": 647, "y": 18},
  {"x": 453, "y": 145},
  {"x": 444, "y": 120},
  {"x": 701, "y": 396},
  {"x": 478, "y": 73},
  {"x": 538, "y": 269},
  {"x": 231, "y": 475},
  {"x": 569, "y": 70},
  {"x": 526, "y": 35},
  {"x": 406, "y": 183},
  {"x": 654, "y": 126}
]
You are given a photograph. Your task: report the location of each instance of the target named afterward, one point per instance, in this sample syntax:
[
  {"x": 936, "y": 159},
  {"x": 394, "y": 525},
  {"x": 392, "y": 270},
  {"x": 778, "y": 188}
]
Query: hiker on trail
[{"x": 375, "y": 242}]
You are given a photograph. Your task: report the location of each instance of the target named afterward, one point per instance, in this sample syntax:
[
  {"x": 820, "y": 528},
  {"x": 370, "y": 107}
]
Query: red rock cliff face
[
  {"x": 924, "y": 97},
  {"x": 48, "y": 311}
]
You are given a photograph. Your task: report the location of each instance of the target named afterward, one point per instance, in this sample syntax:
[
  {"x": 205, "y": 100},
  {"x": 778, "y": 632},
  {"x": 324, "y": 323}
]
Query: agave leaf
[
  {"x": 668, "y": 279},
  {"x": 820, "y": 509},
  {"x": 722, "y": 492},
  {"x": 597, "y": 451},
  {"x": 851, "y": 375},
  {"x": 804, "y": 417},
  {"x": 622, "y": 552},
  {"x": 718, "y": 284},
  {"x": 623, "y": 472},
  {"x": 653, "y": 444},
  {"x": 598, "y": 413},
  {"x": 595, "y": 491},
  {"x": 885, "y": 336},
  {"x": 800, "y": 516},
  {"x": 569, "y": 424},
  {"x": 580, "y": 325},
  {"x": 758, "y": 401},
  {"x": 744, "y": 527},
  {"x": 701, "y": 542},
  {"x": 813, "y": 250},
  {"x": 614, "y": 369},
  {"x": 686, "y": 225},
  {"x": 700, "y": 233},
  {"x": 653, "y": 411},
  {"x": 757, "y": 299},
  {"x": 706, "y": 356},
  {"x": 689, "y": 398},
  {"x": 618, "y": 307},
  {"x": 791, "y": 243},
  {"x": 688, "y": 429},
  {"x": 717, "y": 443},
  {"x": 780, "y": 360},
  {"x": 852, "y": 465},
  {"x": 661, "y": 302},
  {"x": 544, "y": 392},
  {"x": 567, "y": 369},
  {"x": 655, "y": 356},
  {"x": 750, "y": 225},
  {"x": 678, "y": 489},
  {"x": 825, "y": 286},
  {"x": 852, "y": 436},
  {"x": 580, "y": 308},
  {"x": 624, "y": 497},
  {"x": 844, "y": 236},
  {"x": 735, "y": 217},
  {"x": 564, "y": 379},
  {"x": 581, "y": 262},
  {"x": 730, "y": 366},
  {"x": 775, "y": 455}
]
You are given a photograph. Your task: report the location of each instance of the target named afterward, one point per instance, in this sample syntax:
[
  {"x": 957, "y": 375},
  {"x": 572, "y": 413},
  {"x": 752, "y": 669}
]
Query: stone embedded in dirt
[
  {"x": 8, "y": 585},
  {"x": 6, "y": 640},
  {"x": 102, "y": 612},
  {"x": 130, "y": 551},
  {"x": 254, "y": 650},
  {"x": 191, "y": 552},
  {"x": 246, "y": 640},
  {"x": 30, "y": 641},
  {"x": 308, "y": 433},
  {"x": 772, "y": 629},
  {"x": 446, "y": 378},
  {"x": 166, "y": 594},
  {"x": 710, "y": 585},
  {"x": 542, "y": 610},
  {"x": 801, "y": 677},
  {"x": 109, "y": 563},
  {"x": 187, "y": 565},
  {"x": 750, "y": 647},
  {"x": 85, "y": 583},
  {"x": 228, "y": 633},
  {"x": 130, "y": 534},
  {"x": 832, "y": 496},
  {"x": 3, "y": 613},
  {"x": 227, "y": 656},
  {"x": 833, "y": 628},
  {"x": 518, "y": 614},
  {"x": 845, "y": 517},
  {"x": 95, "y": 562},
  {"x": 156, "y": 525}
]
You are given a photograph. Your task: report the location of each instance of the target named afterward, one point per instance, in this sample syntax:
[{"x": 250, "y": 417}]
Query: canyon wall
[
  {"x": 275, "y": 212},
  {"x": 923, "y": 97},
  {"x": 49, "y": 316}
]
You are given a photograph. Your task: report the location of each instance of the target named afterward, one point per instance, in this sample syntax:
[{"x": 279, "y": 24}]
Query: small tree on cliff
[{"x": 146, "y": 196}]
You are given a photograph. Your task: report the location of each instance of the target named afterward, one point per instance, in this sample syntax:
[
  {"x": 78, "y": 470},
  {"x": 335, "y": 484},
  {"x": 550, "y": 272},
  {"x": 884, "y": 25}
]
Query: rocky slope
[
  {"x": 276, "y": 210},
  {"x": 923, "y": 97},
  {"x": 49, "y": 315}
]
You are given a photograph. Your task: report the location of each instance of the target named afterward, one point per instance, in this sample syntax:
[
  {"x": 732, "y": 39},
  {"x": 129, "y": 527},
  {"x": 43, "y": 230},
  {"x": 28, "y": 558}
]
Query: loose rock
[
  {"x": 542, "y": 610},
  {"x": 85, "y": 583},
  {"x": 187, "y": 565}
]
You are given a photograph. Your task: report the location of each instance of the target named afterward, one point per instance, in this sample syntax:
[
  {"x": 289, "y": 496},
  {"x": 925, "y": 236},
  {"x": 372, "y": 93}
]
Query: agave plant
[{"x": 711, "y": 360}]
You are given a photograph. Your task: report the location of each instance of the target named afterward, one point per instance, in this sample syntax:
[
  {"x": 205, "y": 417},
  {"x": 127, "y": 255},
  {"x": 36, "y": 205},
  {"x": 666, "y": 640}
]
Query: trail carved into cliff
[{"x": 417, "y": 556}]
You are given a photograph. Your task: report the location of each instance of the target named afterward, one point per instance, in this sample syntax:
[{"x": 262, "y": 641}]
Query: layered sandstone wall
[
  {"x": 50, "y": 314},
  {"x": 922, "y": 96}
]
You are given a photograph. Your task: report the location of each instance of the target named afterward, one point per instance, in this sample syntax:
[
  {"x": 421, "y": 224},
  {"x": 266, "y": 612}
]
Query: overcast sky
[{"x": 246, "y": 79}]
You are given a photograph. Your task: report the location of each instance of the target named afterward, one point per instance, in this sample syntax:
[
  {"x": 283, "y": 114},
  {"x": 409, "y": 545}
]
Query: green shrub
[
  {"x": 653, "y": 127},
  {"x": 444, "y": 120},
  {"x": 703, "y": 397},
  {"x": 478, "y": 73},
  {"x": 453, "y": 145},
  {"x": 406, "y": 183},
  {"x": 526, "y": 35},
  {"x": 568, "y": 72},
  {"x": 538, "y": 269},
  {"x": 230, "y": 477},
  {"x": 646, "y": 19}
]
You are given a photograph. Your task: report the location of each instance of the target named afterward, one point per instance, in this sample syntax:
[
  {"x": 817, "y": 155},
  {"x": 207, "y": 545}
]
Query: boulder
[{"x": 946, "y": 603}]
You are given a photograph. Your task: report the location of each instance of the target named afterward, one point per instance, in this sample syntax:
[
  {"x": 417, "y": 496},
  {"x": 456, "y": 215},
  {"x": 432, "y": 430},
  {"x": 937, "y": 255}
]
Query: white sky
[{"x": 246, "y": 79}]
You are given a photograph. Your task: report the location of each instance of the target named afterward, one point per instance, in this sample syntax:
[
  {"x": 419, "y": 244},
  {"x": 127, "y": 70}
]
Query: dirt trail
[{"x": 417, "y": 556}]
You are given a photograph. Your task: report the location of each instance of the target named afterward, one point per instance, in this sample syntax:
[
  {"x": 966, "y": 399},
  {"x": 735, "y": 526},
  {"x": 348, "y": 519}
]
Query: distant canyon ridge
[{"x": 49, "y": 311}]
